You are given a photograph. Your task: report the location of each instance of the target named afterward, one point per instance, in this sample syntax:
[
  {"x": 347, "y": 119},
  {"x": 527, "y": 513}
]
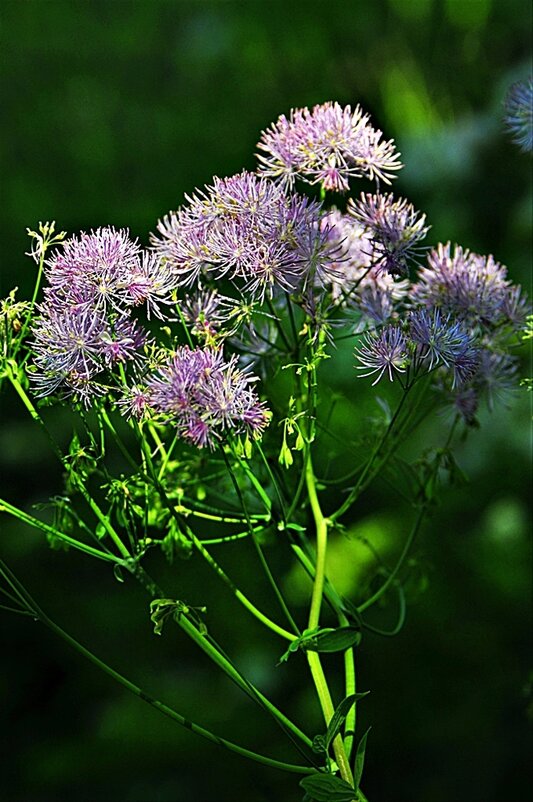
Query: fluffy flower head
[
  {"x": 246, "y": 229},
  {"x": 328, "y": 145},
  {"x": 204, "y": 397}
]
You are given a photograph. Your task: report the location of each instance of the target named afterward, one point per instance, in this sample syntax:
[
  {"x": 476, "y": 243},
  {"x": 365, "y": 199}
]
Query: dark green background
[{"x": 112, "y": 110}]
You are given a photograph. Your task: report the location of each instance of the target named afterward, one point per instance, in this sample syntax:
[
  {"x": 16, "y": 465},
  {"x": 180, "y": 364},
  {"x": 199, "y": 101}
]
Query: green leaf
[
  {"x": 328, "y": 788},
  {"x": 360, "y": 759},
  {"x": 324, "y": 640},
  {"x": 339, "y": 716},
  {"x": 161, "y": 609},
  {"x": 101, "y": 531},
  {"x": 334, "y": 640},
  {"x": 293, "y": 647}
]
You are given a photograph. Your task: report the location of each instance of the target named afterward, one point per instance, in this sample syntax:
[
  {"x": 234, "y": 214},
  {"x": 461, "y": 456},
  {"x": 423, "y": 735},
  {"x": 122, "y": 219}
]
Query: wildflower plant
[{"x": 198, "y": 363}]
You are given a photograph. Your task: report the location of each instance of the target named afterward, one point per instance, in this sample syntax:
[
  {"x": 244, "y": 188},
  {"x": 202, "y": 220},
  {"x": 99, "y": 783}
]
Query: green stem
[
  {"x": 103, "y": 519},
  {"x": 168, "y": 711},
  {"x": 33, "y": 301},
  {"x": 207, "y": 556},
  {"x": 313, "y": 658},
  {"x": 321, "y": 546},
  {"x": 350, "y": 687},
  {"x": 262, "y": 559},
  {"x": 236, "y": 592},
  {"x": 51, "y": 530},
  {"x": 352, "y": 496},
  {"x": 326, "y": 703}
]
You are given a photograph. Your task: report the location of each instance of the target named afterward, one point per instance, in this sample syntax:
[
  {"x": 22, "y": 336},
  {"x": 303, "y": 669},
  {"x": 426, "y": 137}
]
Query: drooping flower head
[
  {"x": 519, "y": 113},
  {"x": 205, "y": 397},
  {"x": 395, "y": 229},
  {"x": 246, "y": 229},
  {"x": 355, "y": 279},
  {"x": 328, "y": 145}
]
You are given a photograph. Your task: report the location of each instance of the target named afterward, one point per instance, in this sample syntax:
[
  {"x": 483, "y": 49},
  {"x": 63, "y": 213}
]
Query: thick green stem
[
  {"x": 313, "y": 658},
  {"x": 321, "y": 546},
  {"x": 350, "y": 687}
]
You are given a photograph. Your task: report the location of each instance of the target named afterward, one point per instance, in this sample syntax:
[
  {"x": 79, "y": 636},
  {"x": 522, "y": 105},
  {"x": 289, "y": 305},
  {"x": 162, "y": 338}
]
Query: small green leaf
[
  {"x": 339, "y": 716},
  {"x": 101, "y": 531},
  {"x": 293, "y": 647},
  {"x": 324, "y": 640},
  {"x": 360, "y": 759},
  {"x": 334, "y": 640},
  {"x": 160, "y": 609},
  {"x": 328, "y": 788}
]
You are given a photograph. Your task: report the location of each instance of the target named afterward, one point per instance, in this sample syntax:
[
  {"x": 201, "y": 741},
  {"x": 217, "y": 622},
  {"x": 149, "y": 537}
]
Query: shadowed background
[{"x": 112, "y": 111}]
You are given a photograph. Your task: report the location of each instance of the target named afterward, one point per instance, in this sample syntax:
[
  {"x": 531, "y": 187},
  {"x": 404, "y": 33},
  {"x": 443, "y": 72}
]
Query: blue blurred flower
[{"x": 519, "y": 113}]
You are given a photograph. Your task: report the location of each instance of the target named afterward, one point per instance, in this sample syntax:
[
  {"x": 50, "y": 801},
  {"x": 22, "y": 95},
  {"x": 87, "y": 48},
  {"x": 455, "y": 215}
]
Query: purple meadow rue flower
[
  {"x": 496, "y": 375},
  {"x": 107, "y": 271},
  {"x": 150, "y": 282},
  {"x": 466, "y": 403},
  {"x": 135, "y": 402},
  {"x": 208, "y": 311},
  {"x": 519, "y": 113},
  {"x": 328, "y": 145},
  {"x": 441, "y": 340},
  {"x": 91, "y": 269},
  {"x": 68, "y": 340},
  {"x": 376, "y": 304},
  {"x": 383, "y": 352},
  {"x": 353, "y": 278},
  {"x": 473, "y": 288},
  {"x": 206, "y": 397},
  {"x": 122, "y": 342},
  {"x": 74, "y": 346},
  {"x": 395, "y": 229},
  {"x": 246, "y": 229}
]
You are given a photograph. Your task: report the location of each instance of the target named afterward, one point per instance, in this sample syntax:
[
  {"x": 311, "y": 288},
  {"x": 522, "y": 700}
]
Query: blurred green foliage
[{"x": 112, "y": 111}]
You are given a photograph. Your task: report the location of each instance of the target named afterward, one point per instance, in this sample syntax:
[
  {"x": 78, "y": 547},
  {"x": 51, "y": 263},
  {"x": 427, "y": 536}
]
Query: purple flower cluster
[
  {"x": 85, "y": 325},
  {"x": 458, "y": 319},
  {"x": 519, "y": 113},
  {"x": 471, "y": 287},
  {"x": 356, "y": 280},
  {"x": 328, "y": 145},
  {"x": 206, "y": 397},
  {"x": 246, "y": 229},
  {"x": 394, "y": 228},
  {"x": 426, "y": 342}
]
